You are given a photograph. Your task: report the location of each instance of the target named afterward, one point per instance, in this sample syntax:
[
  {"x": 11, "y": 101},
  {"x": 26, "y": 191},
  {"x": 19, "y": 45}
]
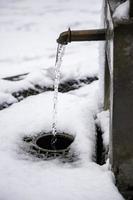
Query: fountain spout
[{"x": 81, "y": 35}]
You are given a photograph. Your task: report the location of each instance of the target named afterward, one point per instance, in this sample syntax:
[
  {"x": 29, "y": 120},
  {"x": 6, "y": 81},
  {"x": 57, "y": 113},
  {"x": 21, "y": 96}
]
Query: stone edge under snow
[{"x": 121, "y": 12}]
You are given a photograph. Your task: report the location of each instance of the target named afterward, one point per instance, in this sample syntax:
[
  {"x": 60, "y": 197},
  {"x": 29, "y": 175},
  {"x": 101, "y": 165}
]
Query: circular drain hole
[
  {"x": 62, "y": 142},
  {"x": 47, "y": 146}
]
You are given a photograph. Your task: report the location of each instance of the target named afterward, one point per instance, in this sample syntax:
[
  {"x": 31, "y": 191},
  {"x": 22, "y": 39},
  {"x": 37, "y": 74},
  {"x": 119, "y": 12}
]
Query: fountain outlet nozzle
[{"x": 81, "y": 35}]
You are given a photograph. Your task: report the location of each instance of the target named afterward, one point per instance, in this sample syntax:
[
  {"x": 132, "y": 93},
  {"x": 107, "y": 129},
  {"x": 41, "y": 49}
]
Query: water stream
[{"x": 59, "y": 56}]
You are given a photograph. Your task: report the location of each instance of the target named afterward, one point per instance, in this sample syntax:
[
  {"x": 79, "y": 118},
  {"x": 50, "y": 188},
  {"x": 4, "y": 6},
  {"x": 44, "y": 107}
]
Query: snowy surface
[
  {"x": 122, "y": 12},
  {"x": 28, "y": 33},
  {"x": 26, "y": 178},
  {"x": 29, "y": 29},
  {"x": 6, "y": 98},
  {"x": 36, "y": 77}
]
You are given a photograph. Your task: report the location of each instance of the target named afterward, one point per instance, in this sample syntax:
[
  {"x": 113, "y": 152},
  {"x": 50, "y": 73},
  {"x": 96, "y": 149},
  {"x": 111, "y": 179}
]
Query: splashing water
[{"x": 59, "y": 56}]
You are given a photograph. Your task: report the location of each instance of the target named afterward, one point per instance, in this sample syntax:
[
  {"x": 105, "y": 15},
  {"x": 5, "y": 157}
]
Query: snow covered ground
[
  {"x": 29, "y": 29},
  {"x": 25, "y": 177},
  {"x": 28, "y": 33}
]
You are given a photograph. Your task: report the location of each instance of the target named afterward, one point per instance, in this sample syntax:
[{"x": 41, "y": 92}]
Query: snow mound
[
  {"x": 6, "y": 98},
  {"x": 122, "y": 12}
]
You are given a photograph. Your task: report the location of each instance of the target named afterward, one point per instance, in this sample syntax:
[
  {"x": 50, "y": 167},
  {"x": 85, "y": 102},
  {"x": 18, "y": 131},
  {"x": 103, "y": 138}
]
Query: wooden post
[
  {"x": 121, "y": 123},
  {"x": 131, "y": 8}
]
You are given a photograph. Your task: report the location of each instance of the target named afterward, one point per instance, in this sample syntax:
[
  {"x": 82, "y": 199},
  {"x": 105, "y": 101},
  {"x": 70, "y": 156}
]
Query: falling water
[{"x": 59, "y": 56}]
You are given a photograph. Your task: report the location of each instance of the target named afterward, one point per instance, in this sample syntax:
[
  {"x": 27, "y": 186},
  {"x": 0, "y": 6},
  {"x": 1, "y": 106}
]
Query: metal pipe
[{"x": 81, "y": 35}]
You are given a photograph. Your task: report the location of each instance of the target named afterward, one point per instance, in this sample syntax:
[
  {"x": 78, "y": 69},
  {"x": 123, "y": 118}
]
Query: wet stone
[
  {"x": 75, "y": 84},
  {"x": 20, "y": 95},
  {"x": 4, "y": 105}
]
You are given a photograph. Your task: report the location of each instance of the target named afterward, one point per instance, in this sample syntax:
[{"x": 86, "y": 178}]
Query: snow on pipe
[{"x": 81, "y": 35}]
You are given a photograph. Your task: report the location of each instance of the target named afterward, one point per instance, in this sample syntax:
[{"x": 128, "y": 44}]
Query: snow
[
  {"x": 28, "y": 33},
  {"x": 6, "y": 98},
  {"x": 32, "y": 121},
  {"x": 24, "y": 177},
  {"x": 29, "y": 29},
  {"x": 36, "y": 77},
  {"x": 33, "y": 182},
  {"x": 122, "y": 12}
]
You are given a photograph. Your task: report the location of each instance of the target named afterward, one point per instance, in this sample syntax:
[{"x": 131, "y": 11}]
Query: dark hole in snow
[
  {"x": 16, "y": 77},
  {"x": 41, "y": 147},
  {"x": 63, "y": 141},
  {"x": 100, "y": 150}
]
